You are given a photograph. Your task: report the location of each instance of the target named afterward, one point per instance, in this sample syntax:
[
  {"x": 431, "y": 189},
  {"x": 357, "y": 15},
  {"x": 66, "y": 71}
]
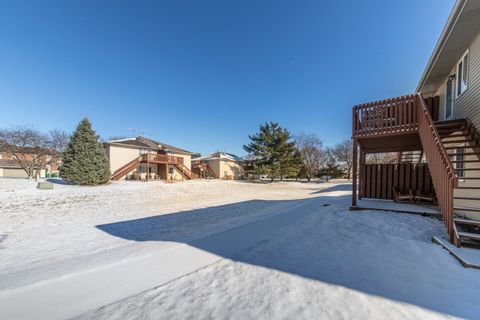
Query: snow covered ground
[{"x": 212, "y": 249}]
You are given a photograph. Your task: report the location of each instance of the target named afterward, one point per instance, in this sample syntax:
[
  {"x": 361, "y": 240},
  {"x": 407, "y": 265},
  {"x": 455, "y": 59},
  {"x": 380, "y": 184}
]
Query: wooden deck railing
[
  {"x": 397, "y": 115},
  {"x": 405, "y": 115},
  {"x": 441, "y": 169},
  {"x": 151, "y": 157}
]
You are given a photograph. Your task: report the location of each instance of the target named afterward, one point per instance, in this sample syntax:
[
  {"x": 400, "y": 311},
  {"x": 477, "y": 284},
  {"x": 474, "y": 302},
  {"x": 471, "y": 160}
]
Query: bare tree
[
  {"x": 343, "y": 153},
  {"x": 388, "y": 157},
  {"x": 59, "y": 140},
  {"x": 31, "y": 149},
  {"x": 311, "y": 152}
]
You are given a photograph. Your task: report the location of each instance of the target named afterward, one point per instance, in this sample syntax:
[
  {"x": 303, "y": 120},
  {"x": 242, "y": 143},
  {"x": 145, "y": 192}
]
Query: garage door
[{"x": 14, "y": 173}]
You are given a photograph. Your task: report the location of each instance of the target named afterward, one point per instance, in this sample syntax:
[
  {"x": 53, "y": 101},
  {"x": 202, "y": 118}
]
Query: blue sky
[{"x": 202, "y": 75}]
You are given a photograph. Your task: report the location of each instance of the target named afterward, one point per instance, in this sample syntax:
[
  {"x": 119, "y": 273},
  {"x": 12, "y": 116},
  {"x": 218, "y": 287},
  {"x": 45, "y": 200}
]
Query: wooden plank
[
  {"x": 368, "y": 176},
  {"x": 378, "y": 186},
  {"x": 390, "y": 169},
  {"x": 384, "y": 181}
]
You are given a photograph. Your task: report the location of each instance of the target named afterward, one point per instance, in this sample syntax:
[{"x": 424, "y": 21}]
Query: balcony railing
[
  {"x": 410, "y": 114},
  {"x": 397, "y": 115},
  {"x": 162, "y": 158}
]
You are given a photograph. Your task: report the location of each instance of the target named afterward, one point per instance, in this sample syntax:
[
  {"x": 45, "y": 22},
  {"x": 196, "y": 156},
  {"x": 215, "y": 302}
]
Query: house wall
[
  {"x": 118, "y": 156},
  {"x": 466, "y": 105},
  {"x": 230, "y": 169},
  {"x": 15, "y": 173},
  {"x": 215, "y": 166}
]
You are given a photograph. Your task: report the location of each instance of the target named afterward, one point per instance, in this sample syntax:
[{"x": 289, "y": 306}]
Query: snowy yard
[{"x": 217, "y": 250}]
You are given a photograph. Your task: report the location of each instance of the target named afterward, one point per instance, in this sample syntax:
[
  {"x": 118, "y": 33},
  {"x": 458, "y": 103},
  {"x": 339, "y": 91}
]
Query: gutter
[{"x": 447, "y": 30}]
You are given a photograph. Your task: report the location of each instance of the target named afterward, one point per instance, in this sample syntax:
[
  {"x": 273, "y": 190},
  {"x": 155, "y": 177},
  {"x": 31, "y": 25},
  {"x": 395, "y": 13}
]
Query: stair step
[
  {"x": 458, "y": 141},
  {"x": 462, "y": 147},
  {"x": 459, "y": 135},
  {"x": 469, "y": 235},
  {"x": 468, "y": 188},
  {"x": 467, "y": 221},
  {"x": 464, "y": 153},
  {"x": 466, "y": 209},
  {"x": 465, "y": 161},
  {"x": 450, "y": 123},
  {"x": 467, "y": 198}
]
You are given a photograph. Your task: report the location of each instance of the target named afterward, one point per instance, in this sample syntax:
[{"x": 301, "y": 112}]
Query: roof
[
  {"x": 6, "y": 163},
  {"x": 220, "y": 156},
  {"x": 146, "y": 143},
  {"x": 460, "y": 30}
]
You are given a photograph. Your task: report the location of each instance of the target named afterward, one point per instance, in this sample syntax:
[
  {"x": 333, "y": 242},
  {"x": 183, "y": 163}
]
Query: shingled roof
[
  {"x": 220, "y": 156},
  {"x": 7, "y": 163},
  {"x": 146, "y": 143}
]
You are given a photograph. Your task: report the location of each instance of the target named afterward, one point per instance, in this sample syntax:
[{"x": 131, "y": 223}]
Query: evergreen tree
[
  {"x": 84, "y": 160},
  {"x": 273, "y": 151}
]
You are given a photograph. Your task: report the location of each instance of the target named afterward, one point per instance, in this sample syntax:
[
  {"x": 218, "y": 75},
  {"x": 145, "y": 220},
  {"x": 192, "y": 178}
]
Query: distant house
[
  {"x": 147, "y": 159},
  {"x": 219, "y": 165},
  {"x": 10, "y": 168},
  {"x": 435, "y": 132}
]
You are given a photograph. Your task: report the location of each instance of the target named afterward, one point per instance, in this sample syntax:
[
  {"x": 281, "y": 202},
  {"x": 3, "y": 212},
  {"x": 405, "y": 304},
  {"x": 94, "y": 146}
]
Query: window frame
[
  {"x": 453, "y": 90},
  {"x": 460, "y": 74},
  {"x": 460, "y": 156}
]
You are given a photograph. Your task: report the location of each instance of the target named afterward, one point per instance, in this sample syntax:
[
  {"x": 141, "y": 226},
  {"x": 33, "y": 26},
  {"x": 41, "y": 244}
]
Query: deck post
[
  {"x": 354, "y": 173},
  {"x": 361, "y": 169},
  {"x": 148, "y": 167}
]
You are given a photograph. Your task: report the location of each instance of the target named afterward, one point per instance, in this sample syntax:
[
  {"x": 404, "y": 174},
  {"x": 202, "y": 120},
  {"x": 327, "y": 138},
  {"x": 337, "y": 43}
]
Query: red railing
[
  {"x": 163, "y": 158},
  {"x": 410, "y": 114},
  {"x": 441, "y": 169},
  {"x": 397, "y": 115}
]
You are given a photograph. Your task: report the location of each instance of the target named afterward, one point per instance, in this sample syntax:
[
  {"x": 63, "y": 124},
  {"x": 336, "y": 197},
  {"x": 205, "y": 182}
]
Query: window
[
  {"x": 462, "y": 74},
  {"x": 459, "y": 162},
  {"x": 142, "y": 151},
  {"x": 170, "y": 170},
  {"x": 141, "y": 169}
]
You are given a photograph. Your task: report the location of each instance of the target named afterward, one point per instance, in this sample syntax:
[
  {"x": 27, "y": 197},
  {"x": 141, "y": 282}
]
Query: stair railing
[
  {"x": 117, "y": 174},
  {"x": 441, "y": 169}
]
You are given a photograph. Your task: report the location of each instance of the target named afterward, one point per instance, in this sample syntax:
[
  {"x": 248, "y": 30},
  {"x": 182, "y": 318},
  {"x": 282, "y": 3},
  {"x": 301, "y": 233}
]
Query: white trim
[
  {"x": 444, "y": 36},
  {"x": 458, "y": 79},
  {"x": 453, "y": 91}
]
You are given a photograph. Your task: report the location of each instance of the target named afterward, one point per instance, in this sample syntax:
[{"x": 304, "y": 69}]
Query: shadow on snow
[{"x": 337, "y": 252}]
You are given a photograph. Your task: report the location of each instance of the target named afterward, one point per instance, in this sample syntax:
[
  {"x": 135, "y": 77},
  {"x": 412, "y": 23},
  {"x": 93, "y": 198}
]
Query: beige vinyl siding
[
  {"x": 215, "y": 166},
  {"x": 230, "y": 169},
  {"x": 467, "y": 105},
  {"x": 14, "y": 173}
]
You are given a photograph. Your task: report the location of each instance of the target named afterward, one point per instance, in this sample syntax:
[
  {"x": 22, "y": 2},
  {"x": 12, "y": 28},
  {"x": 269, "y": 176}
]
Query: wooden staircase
[
  {"x": 187, "y": 173},
  {"x": 124, "y": 170},
  {"x": 211, "y": 172},
  {"x": 461, "y": 140},
  {"x": 199, "y": 168}
]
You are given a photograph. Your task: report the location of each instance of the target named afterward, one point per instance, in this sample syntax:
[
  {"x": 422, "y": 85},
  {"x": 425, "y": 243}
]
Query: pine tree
[
  {"x": 272, "y": 150},
  {"x": 84, "y": 160}
]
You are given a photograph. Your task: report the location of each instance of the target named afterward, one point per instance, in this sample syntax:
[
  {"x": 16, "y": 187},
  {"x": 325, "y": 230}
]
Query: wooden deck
[
  {"x": 161, "y": 160},
  {"x": 404, "y": 124}
]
